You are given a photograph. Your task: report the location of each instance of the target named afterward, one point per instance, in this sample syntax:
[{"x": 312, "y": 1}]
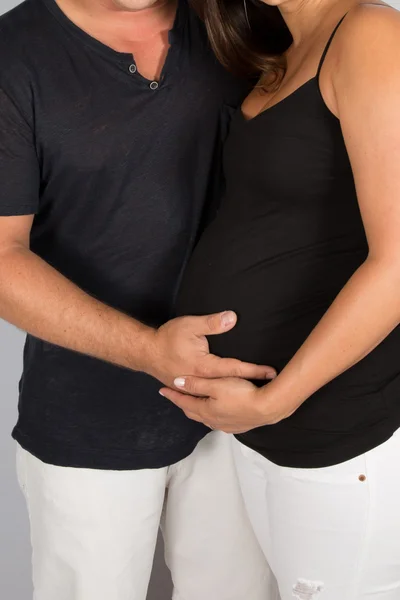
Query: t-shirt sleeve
[{"x": 19, "y": 167}]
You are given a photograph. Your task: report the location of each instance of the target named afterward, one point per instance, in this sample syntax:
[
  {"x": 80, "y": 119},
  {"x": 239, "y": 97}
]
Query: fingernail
[
  {"x": 180, "y": 382},
  {"x": 227, "y": 318},
  {"x": 271, "y": 374},
  {"x": 161, "y": 394}
]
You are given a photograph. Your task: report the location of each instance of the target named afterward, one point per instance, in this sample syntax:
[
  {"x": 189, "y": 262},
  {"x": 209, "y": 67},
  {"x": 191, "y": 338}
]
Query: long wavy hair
[{"x": 248, "y": 37}]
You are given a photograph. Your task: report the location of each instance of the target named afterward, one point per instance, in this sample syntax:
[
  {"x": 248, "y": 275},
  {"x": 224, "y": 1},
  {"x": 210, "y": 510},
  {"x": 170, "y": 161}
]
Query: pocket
[{"x": 345, "y": 473}]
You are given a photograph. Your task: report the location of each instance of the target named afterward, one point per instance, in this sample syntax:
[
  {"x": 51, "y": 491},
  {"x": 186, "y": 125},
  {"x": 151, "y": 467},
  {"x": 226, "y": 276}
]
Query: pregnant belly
[
  {"x": 273, "y": 320},
  {"x": 278, "y": 300}
]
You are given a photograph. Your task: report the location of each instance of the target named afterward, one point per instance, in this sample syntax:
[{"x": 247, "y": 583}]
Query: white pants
[
  {"x": 331, "y": 533},
  {"x": 94, "y": 532}
]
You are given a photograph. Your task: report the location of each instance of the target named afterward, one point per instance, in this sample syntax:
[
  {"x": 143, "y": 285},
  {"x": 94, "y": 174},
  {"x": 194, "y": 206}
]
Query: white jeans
[
  {"x": 94, "y": 532},
  {"x": 331, "y": 533}
]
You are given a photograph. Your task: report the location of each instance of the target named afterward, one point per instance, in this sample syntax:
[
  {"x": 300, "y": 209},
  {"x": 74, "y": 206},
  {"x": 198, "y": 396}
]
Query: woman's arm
[
  {"x": 366, "y": 89},
  {"x": 365, "y": 86}
]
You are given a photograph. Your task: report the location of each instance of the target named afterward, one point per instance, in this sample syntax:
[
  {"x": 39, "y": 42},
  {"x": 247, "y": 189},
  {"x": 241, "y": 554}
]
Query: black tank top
[{"x": 287, "y": 238}]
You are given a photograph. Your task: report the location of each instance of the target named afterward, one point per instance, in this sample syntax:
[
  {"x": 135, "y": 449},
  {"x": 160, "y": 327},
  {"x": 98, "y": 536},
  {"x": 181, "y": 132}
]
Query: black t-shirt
[
  {"x": 287, "y": 238},
  {"x": 117, "y": 170}
]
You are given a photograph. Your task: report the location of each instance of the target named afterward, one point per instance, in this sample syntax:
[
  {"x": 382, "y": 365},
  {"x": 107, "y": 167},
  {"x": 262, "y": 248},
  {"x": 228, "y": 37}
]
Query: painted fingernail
[
  {"x": 227, "y": 318},
  {"x": 180, "y": 382}
]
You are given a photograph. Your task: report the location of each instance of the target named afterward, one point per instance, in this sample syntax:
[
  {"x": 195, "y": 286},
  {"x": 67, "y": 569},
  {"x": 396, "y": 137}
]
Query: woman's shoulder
[
  {"x": 369, "y": 31},
  {"x": 364, "y": 57},
  {"x": 371, "y": 9}
]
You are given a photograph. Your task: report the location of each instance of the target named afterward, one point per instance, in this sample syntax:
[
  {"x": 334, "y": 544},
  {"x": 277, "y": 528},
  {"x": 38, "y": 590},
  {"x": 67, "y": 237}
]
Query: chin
[
  {"x": 135, "y": 5},
  {"x": 273, "y": 2}
]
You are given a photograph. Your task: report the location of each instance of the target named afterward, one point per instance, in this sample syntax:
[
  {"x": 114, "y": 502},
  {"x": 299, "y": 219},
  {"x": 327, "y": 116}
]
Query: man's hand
[
  {"x": 180, "y": 346},
  {"x": 230, "y": 405}
]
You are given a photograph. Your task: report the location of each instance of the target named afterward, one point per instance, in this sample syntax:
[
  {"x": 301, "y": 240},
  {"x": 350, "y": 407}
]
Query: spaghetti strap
[{"x": 325, "y": 52}]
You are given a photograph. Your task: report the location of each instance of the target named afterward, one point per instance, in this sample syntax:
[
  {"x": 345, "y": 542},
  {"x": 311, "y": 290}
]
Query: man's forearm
[{"x": 39, "y": 300}]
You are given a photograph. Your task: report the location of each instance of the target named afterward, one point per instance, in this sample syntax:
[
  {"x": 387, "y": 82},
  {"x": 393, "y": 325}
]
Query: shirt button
[
  {"x": 132, "y": 68},
  {"x": 154, "y": 85}
]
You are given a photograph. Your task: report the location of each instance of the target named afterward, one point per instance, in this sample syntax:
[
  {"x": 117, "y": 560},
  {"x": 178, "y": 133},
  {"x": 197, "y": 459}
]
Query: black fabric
[
  {"x": 117, "y": 175},
  {"x": 287, "y": 238}
]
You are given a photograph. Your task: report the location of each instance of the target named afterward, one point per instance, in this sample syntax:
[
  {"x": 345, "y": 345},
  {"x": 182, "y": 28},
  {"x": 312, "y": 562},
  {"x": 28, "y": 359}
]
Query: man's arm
[
  {"x": 38, "y": 299},
  {"x": 41, "y": 301}
]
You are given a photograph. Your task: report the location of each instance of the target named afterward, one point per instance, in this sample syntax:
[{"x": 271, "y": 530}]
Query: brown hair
[{"x": 248, "y": 39}]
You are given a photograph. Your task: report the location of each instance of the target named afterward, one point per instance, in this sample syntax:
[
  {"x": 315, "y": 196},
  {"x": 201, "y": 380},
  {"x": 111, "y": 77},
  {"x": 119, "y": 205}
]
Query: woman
[{"x": 306, "y": 250}]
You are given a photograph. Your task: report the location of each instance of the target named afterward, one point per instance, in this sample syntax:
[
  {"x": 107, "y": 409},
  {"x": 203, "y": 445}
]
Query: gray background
[{"x": 15, "y": 583}]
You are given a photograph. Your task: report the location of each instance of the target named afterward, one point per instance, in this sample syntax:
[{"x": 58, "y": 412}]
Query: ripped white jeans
[{"x": 330, "y": 533}]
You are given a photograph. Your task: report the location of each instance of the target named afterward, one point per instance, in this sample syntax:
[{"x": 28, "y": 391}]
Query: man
[{"x": 111, "y": 113}]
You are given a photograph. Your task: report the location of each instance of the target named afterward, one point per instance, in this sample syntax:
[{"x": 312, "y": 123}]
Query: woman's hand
[{"x": 232, "y": 405}]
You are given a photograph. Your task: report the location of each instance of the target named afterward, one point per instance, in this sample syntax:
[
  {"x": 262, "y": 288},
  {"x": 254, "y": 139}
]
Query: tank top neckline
[
  {"x": 298, "y": 90},
  {"x": 293, "y": 95},
  {"x": 314, "y": 79}
]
